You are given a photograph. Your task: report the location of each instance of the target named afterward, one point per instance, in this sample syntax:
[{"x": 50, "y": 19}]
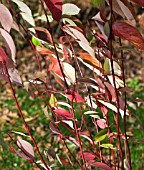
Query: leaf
[
  {"x": 21, "y": 154},
  {"x": 113, "y": 107},
  {"x": 5, "y": 18},
  {"x": 107, "y": 145},
  {"x": 86, "y": 136},
  {"x": 9, "y": 44},
  {"x": 13, "y": 73},
  {"x": 64, "y": 104},
  {"x": 101, "y": 165},
  {"x": 69, "y": 21},
  {"x": 101, "y": 135},
  {"x": 55, "y": 7},
  {"x": 111, "y": 90},
  {"x": 54, "y": 130},
  {"x": 70, "y": 9},
  {"x": 43, "y": 51},
  {"x": 53, "y": 101},
  {"x": 106, "y": 66},
  {"x": 127, "y": 10},
  {"x": 101, "y": 123},
  {"x": 25, "y": 12},
  {"x": 139, "y": 2},
  {"x": 90, "y": 60},
  {"x": 43, "y": 18},
  {"x": 3, "y": 56},
  {"x": 43, "y": 34},
  {"x": 128, "y": 32},
  {"x": 69, "y": 71},
  {"x": 54, "y": 66},
  {"x": 35, "y": 41},
  {"x": 63, "y": 113},
  {"x": 74, "y": 96},
  {"x": 91, "y": 103},
  {"x": 124, "y": 9},
  {"x": 79, "y": 36},
  {"x": 27, "y": 148},
  {"x": 69, "y": 122},
  {"x": 88, "y": 156},
  {"x": 100, "y": 4}
]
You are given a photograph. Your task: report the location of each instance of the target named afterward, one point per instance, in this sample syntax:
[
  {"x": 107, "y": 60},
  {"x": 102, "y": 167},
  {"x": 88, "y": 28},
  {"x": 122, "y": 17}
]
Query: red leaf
[
  {"x": 55, "y": 7},
  {"x": 130, "y": 33},
  {"x": 111, "y": 89},
  {"x": 101, "y": 165},
  {"x": 74, "y": 97},
  {"x": 64, "y": 162},
  {"x": 5, "y": 18},
  {"x": 64, "y": 113},
  {"x": 43, "y": 51},
  {"x": 88, "y": 156},
  {"x": 54, "y": 66},
  {"x": 139, "y": 2},
  {"x": 3, "y": 57}
]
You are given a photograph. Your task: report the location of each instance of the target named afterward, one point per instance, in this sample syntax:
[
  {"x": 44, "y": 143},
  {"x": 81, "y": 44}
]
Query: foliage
[{"x": 79, "y": 82}]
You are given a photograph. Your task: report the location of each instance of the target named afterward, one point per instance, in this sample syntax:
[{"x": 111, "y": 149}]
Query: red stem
[
  {"x": 23, "y": 119},
  {"x": 117, "y": 99}
]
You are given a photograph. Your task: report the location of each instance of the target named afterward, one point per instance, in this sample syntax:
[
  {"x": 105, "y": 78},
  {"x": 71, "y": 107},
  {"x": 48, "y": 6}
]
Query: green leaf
[
  {"x": 100, "y": 4},
  {"x": 35, "y": 41},
  {"x": 101, "y": 135},
  {"x": 106, "y": 66},
  {"x": 107, "y": 145}
]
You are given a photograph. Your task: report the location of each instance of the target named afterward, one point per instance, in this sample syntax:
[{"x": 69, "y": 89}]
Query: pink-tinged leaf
[
  {"x": 130, "y": 33},
  {"x": 54, "y": 129},
  {"x": 88, "y": 156},
  {"x": 63, "y": 113},
  {"x": 73, "y": 140},
  {"x": 139, "y": 2},
  {"x": 127, "y": 10},
  {"x": 26, "y": 148},
  {"x": 101, "y": 165},
  {"x": 3, "y": 56},
  {"x": 100, "y": 23},
  {"x": 101, "y": 123},
  {"x": 111, "y": 90},
  {"x": 9, "y": 44},
  {"x": 55, "y": 7},
  {"x": 74, "y": 96},
  {"x": 13, "y": 73},
  {"x": 23, "y": 155},
  {"x": 79, "y": 36},
  {"x": 5, "y": 18}
]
